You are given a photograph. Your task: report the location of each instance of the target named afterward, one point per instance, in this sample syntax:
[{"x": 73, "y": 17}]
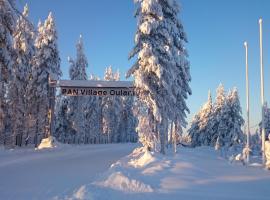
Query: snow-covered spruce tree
[
  {"x": 46, "y": 64},
  {"x": 92, "y": 117},
  {"x": 266, "y": 121},
  {"x": 7, "y": 25},
  {"x": 235, "y": 134},
  {"x": 111, "y": 106},
  {"x": 218, "y": 108},
  {"x": 128, "y": 121},
  {"x": 23, "y": 54},
  {"x": 201, "y": 127},
  {"x": 230, "y": 122},
  {"x": 161, "y": 72},
  {"x": 77, "y": 71},
  {"x": 63, "y": 128},
  {"x": 194, "y": 131},
  {"x": 207, "y": 121}
]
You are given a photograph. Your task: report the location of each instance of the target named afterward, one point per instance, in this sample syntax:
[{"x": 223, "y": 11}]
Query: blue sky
[{"x": 216, "y": 30}]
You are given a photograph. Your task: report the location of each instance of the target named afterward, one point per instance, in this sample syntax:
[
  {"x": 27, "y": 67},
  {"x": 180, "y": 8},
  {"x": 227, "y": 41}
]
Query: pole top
[
  {"x": 260, "y": 20},
  {"x": 245, "y": 44}
]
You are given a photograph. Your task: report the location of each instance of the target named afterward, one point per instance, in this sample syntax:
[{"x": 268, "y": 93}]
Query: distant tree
[
  {"x": 93, "y": 117},
  {"x": 230, "y": 122},
  {"x": 266, "y": 121},
  {"x": 128, "y": 121},
  {"x": 201, "y": 127},
  {"x": 235, "y": 134},
  {"x": 63, "y": 128},
  {"x": 218, "y": 109},
  {"x": 111, "y": 108},
  {"x": 161, "y": 71},
  {"x": 77, "y": 71}
]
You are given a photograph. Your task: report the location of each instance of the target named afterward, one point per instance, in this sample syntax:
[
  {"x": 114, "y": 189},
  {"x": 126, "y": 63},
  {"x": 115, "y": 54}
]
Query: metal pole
[
  {"x": 247, "y": 101},
  {"x": 52, "y": 85},
  {"x": 262, "y": 92}
]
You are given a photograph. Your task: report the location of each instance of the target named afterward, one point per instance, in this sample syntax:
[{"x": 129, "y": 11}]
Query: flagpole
[
  {"x": 247, "y": 102},
  {"x": 262, "y": 92}
]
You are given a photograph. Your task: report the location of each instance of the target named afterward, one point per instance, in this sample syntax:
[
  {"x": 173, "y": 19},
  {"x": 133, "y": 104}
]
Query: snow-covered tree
[
  {"x": 266, "y": 121},
  {"x": 111, "y": 108},
  {"x": 161, "y": 71},
  {"x": 7, "y": 25},
  {"x": 229, "y": 120},
  {"x": 77, "y": 71},
  {"x": 235, "y": 122},
  {"x": 93, "y": 117},
  {"x": 201, "y": 127},
  {"x": 128, "y": 121},
  {"x": 63, "y": 128},
  {"x": 23, "y": 54},
  {"x": 218, "y": 108},
  {"x": 46, "y": 65}
]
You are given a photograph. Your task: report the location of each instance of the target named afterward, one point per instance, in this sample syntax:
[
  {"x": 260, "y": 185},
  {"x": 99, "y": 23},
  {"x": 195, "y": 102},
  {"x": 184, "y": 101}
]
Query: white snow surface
[
  {"x": 191, "y": 174},
  {"x": 27, "y": 174},
  {"x": 100, "y": 172}
]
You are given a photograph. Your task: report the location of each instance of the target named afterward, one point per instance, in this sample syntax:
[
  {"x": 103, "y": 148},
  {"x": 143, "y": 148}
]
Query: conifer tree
[
  {"x": 161, "y": 71},
  {"x": 24, "y": 51},
  {"x": 77, "y": 71},
  {"x": 7, "y": 24},
  {"x": 201, "y": 126},
  {"x": 46, "y": 66}
]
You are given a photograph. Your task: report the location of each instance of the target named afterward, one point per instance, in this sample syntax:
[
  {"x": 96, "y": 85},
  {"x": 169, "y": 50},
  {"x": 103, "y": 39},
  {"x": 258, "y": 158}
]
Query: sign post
[{"x": 86, "y": 88}]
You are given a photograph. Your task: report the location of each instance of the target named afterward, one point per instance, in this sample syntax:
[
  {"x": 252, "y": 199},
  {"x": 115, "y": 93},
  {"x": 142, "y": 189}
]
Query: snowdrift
[
  {"x": 48, "y": 143},
  {"x": 193, "y": 173}
]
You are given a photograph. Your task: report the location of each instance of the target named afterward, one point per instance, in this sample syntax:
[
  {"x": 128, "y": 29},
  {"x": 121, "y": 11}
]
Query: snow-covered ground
[
  {"x": 45, "y": 174},
  {"x": 190, "y": 175},
  {"x": 87, "y": 172}
]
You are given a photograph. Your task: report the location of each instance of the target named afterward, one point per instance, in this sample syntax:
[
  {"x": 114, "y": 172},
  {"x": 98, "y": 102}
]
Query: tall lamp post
[
  {"x": 247, "y": 102},
  {"x": 262, "y": 92}
]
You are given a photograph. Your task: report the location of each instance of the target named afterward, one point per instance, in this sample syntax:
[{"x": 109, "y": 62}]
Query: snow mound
[
  {"x": 80, "y": 194},
  {"x": 143, "y": 160},
  {"x": 119, "y": 181},
  {"x": 48, "y": 143}
]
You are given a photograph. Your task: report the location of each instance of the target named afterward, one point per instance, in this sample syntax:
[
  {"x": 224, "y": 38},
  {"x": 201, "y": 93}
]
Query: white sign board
[{"x": 96, "y": 88}]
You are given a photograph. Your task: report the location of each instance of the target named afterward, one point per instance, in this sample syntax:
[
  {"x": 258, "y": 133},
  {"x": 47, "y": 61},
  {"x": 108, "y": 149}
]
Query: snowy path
[{"x": 29, "y": 174}]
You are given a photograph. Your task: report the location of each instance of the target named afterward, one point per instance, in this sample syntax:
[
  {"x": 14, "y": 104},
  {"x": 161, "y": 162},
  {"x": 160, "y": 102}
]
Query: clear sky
[{"x": 216, "y": 30}]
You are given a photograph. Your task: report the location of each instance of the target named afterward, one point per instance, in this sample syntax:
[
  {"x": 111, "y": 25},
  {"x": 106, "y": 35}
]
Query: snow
[
  {"x": 191, "y": 174},
  {"x": 100, "y": 172},
  {"x": 52, "y": 173},
  {"x": 267, "y": 153},
  {"x": 145, "y": 159},
  {"x": 49, "y": 142}
]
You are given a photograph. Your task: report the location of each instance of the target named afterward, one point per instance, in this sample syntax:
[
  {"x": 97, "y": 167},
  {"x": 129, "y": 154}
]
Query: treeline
[
  {"x": 94, "y": 119},
  {"x": 218, "y": 123},
  {"x": 29, "y": 57}
]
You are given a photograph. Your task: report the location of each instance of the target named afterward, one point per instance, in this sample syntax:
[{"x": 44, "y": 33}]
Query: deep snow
[
  {"x": 49, "y": 173},
  {"x": 87, "y": 172},
  {"x": 191, "y": 174}
]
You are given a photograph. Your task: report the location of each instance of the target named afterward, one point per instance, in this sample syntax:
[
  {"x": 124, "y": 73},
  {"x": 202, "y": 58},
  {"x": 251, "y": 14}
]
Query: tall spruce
[
  {"x": 7, "y": 24},
  {"x": 77, "y": 71},
  {"x": 24, "y": 50},
  {"x": 201, "y": 127},
  {"x": 161, "y": 71},
  {"x": 46, "y": 66}
]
